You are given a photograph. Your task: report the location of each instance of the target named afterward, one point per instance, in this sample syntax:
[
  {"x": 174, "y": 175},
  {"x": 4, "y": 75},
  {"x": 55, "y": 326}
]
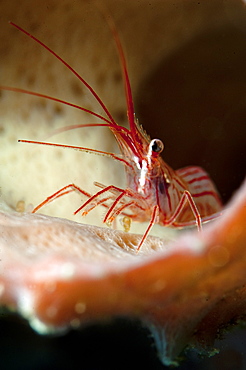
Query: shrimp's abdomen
[{"x": 202, "y": 190}]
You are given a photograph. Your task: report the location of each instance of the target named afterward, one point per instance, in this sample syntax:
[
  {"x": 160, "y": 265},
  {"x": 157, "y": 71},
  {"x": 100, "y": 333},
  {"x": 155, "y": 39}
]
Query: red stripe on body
[
  {"x": 190, "y": 171},
  {"x": 198, "y": 179},
  {"x": 212, "y": 193}
]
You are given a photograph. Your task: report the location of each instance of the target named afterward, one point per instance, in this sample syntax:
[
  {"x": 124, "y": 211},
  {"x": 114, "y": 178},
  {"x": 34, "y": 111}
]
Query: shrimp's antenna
[
  {"x": 93, "y": 92},
  {"x": 117, "y": 157},
  {"x": 122, "y": 59},
  {"x": 72, "y": 127},
  {"x": 28, "y": 92}
]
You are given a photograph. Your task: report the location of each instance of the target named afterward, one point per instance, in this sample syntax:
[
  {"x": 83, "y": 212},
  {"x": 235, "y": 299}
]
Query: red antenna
[{"x": 111, "y": 119}]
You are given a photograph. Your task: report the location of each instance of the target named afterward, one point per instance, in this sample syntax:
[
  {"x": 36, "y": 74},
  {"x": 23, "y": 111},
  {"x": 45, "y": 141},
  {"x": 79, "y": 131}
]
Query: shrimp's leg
[
  {"x": 132, "y": 203},
  {"x": 110, "y": 188},
  {"x": 186, "y": 197},
  {"x": 63, "y": 191},
  {"x": 107, "y": 217},
  {"x": 113, "y": 212},
  {"x": 120, "y": 209},
  {"x": 151, "y": 223},
  {"x": 99, "y": 202}
]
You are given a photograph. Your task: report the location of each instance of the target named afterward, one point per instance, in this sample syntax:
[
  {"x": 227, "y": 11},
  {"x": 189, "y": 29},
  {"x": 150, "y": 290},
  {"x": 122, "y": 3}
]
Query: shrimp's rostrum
[{"x": 154, "y": 192}]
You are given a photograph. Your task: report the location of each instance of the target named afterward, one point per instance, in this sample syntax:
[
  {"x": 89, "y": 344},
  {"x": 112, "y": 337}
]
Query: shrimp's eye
[{"x": 156, "y": 145}]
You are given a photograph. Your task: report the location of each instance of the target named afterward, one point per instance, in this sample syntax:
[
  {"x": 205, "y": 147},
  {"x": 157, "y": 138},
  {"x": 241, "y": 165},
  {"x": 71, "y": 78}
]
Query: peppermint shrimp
[{"x": 155, "y": 192}]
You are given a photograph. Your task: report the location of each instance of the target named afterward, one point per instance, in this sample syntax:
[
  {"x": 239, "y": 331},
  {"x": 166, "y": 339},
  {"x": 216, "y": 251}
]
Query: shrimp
[{"x": 155, "y": 192}]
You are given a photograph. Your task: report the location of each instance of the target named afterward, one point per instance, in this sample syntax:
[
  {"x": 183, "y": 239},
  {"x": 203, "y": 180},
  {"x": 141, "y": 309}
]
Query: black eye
[{"x": 156, "y": 145}]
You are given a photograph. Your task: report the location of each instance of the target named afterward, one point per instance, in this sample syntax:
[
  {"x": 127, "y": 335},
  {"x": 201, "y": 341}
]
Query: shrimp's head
[{"x": 141, "y": 156}]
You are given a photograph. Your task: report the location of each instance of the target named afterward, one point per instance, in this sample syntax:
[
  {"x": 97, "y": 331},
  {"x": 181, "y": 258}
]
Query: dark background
[
  {"x": 195, "y": 102},
  {"x": 119, "y": 344}
]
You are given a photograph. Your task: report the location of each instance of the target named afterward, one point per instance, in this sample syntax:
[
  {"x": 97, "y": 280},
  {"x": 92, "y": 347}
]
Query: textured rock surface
[{"x": 60, "y": 274}]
